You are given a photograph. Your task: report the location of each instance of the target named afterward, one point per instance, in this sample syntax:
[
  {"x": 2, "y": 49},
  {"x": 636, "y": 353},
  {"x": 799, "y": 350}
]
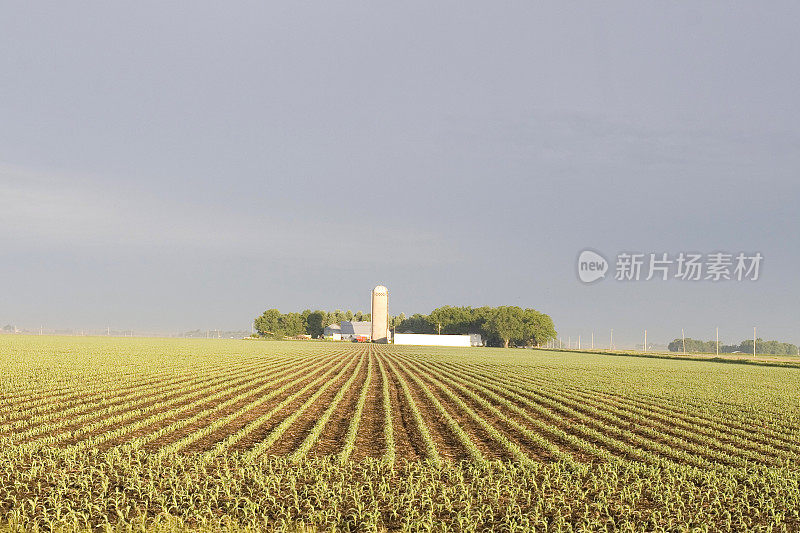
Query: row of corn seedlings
[
  {"x": 352, "y": 429},
  {"x": 263, "y": 446}
]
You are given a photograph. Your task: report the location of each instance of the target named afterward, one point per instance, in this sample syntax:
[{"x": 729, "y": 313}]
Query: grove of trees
[
  {"x": 499, "y": 326},
  {"x": 273, "y": 323}
]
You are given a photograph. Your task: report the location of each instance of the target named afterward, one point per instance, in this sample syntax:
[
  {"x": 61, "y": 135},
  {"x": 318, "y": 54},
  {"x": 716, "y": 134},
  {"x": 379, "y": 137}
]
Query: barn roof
[{"x": 350, "y": 327}]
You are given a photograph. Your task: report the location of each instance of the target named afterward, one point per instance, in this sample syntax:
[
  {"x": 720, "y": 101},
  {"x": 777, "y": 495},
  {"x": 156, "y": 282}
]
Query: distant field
[
  {"x": 784, "y": 360},
  {"x": 216, "y": 433}
]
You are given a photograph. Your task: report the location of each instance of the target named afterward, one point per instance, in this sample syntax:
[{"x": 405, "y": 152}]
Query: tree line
[
  {"x": 746, "y": 346},
  {"x": 273, "y": 323},
  {"x": 498, "y": 326}
]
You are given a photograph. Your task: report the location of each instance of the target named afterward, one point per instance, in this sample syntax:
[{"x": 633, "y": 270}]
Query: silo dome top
[{"x": 380, "y": 289}]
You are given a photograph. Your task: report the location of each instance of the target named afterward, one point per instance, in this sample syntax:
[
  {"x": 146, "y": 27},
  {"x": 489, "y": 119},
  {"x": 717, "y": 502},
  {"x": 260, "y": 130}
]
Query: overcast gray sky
[{"x": 170, "y": 166}]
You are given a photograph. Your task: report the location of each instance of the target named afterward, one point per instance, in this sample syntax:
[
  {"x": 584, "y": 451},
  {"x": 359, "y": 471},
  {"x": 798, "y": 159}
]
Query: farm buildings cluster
[{"x": 377, "y": 329}]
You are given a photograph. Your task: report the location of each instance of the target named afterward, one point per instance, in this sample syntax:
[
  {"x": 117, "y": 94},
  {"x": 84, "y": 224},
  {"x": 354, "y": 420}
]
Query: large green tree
[
  {"x": 292, "y": 324},
  {"x": 315, "y": 323},
  {"x": 453, "y": 320},
  {"x": 416, "y": 323},
  {"x": 507, "y": 323},
  {"x": 538, "y": 327},
  {"x": 268, "y": 323},
  {"x": 396, "y": 321}
]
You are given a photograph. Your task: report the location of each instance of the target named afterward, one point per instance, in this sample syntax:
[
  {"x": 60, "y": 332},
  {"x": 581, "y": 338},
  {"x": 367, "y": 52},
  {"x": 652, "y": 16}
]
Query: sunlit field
[{"x": 228, "y": 434}]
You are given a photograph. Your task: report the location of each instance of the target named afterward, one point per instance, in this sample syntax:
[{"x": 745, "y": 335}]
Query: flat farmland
[{"x": 224, "y": 434}]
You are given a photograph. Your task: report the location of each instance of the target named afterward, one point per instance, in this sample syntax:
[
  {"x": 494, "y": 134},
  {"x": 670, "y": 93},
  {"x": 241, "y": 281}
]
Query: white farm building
[
  {"x": 425, "y": 339},
  {"x": 377, "y": 330}
]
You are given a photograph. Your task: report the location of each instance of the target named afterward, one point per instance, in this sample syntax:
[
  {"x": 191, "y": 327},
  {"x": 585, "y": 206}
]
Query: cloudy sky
[{"x": 171, "y": 166}]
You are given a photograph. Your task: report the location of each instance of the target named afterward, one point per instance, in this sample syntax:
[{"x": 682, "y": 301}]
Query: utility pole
[{"x": 683, "y": 336}]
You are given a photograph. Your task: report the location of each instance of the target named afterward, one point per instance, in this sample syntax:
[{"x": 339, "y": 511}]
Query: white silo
[{"x": 380, "y": 314}]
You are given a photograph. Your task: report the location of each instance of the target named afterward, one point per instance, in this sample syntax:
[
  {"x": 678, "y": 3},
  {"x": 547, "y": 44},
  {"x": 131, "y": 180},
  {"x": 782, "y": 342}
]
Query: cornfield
[{"x": 144, "y": 434}]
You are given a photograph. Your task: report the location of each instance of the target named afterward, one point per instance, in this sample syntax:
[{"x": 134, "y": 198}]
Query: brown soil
[
  {"x": 238, "y": 423},
  {"x": 483, "y": 440},
  {"x": 560, "y": 420},
  {"x": 258, "y": 434},
  {"x": 370, "y": 440},
  {"x": 295, "y": 434},
  {"x": 768, "y": 433},
  {"x": 531, "y": 448},
  {"x": 88, "y": 401},
  {"x": 156, "y": 400},
  {"x": 447, "y": 444},
  {"x": 408, "y": 442},
  {"x": 333, "y": 436},
  {"x": 175, "y": 415},
  {"x": 629, "y": 430},
  {"x": 662, "y": 420},
  {"x": 628, "y": 423},
  {"x": 149, "y": 402}
]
